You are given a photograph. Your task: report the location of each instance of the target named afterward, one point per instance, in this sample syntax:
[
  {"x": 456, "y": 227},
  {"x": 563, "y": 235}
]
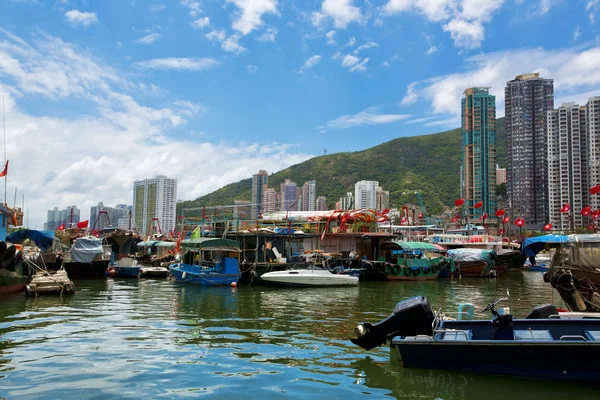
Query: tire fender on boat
[
  {"x": 395, "y": 270},
  {"x": 183, "y": 275}
]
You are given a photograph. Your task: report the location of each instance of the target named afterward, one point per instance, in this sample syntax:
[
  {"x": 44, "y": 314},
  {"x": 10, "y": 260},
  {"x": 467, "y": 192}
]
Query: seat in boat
[
  {"x": 592, "y": 335},
  {"x": 454, "y": 336},
  {"x": 535, "y": 335}
]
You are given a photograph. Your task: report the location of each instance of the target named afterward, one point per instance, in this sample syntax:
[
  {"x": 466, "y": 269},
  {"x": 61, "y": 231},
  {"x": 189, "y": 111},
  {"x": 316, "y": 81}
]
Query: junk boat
[
  {"x": 311, "y": 275},
  {"x": 87, "y": 258},
  {"x": 538, "y": 346},
  {"x": 207, "y": 261}
]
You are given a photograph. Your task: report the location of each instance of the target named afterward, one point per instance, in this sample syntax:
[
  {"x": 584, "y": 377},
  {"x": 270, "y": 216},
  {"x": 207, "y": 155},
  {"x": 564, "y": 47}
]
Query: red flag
[
  {"x": 519, "y": 222},
  {"x": 548, "y": 227},
  {"x": 403, "y": 220},
  {"x": 479, "y": 204},
  {"x": 505, "y": 220},
  {"x": 565, "y": 208},
  {"x": 5, "y": 170},
  {"x": 587, "y": 210},
  {"x": 386, "y": 211},
  {"x": 61, "y": 227},
  {"x": 593, "y": 189},
  {"x": 595, "y": 213},
  {"x": 83, "y": 224},
  {"x": 455, "y": 219},
  {"x": 95, "y": 233},
  {"x": 420, "y": 216},
  {"x": 594, "y": 217},
  {"x": 500, "y": 212},
  {"x": 459, "y": 202},
  {"x": 591, "y": 227}
]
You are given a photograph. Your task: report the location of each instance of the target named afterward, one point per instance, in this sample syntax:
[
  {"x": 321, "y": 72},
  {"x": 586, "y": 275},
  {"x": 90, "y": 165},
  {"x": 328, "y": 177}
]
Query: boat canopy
[
  {"x": 42, "y": 239},
  {"x": 585, "y": 238},
  {"x": 85, "y": 249},
  {"x": 465, "y": 255},
  {"x": 149, "y": 243},
  {"x": 162, "y": 243},
  {"x": 533, "y": 245},
  {"x": 580, "y": 252},
  {"x": 412, "y": 246},
  {"x": 211, "y": 244}
]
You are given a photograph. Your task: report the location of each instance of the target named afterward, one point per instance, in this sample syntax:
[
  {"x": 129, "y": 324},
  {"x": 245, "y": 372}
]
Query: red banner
[
  {"x": 83, "y": 224},
  {"x": 455, "y": 219},
  {"x": 61, "y": 227},
  {"x": 548, "y": 227},
  {"x": 500, "y": 212},
  {"x": 587, "y": 210},
  {"x": 565, "y": 208},
  {"x": 519, "y": 222},
  {"x": 479, "y": 204},
  {"x": 505, "y": 220},
  {"x": 459, "y": 202},
  {"x": 5, "y": 170},
  {"x": 595, "y": 189}
]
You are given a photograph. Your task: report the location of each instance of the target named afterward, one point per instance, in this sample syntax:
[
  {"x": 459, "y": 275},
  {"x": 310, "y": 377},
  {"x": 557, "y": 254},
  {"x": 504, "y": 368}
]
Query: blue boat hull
[
  {"x": 203, "y": 278},
  {"x": 538, "y": 268},
  {"x": 127, "y": 272}
]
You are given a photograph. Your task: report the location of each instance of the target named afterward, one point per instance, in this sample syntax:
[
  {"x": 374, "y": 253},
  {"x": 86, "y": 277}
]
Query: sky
[{"x": 98, "y": 94}]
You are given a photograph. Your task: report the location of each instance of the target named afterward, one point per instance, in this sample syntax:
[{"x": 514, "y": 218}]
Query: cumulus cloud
[
  {"x": 201, "y": 22},
  {"x": 342, "y": 12},
  {"x": 193, "y": 6},
  {"x": 331, "y": 38},
  {"x": 188, "y": 64},
  {"x": 268, "y": 35},
  {"x": 311, "y": 62},
  {"x": 96, "y": 153},
  {"x": 250, "y": 12},
  {"x": 354, "y": 63},
  {"x": 231, "y": 44},
  {"x": 149, "y": 39},
  {"x": 251, "y": 68},
  {"x": 368, "y": 116},
  {"x": 463, "y": 19},
  {"x": 85, "y": 19},
  {"x": 431, "y": 50}
]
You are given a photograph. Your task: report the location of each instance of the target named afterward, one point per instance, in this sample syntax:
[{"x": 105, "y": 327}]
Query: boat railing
[
  {"x": 463, "y": 239},
  {"x": 455, "y": 331},
  {"x": 572, "y": 337}
]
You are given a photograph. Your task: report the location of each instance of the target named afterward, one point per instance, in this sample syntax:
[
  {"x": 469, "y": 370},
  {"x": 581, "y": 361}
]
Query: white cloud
[
  {"x": 268, "y": 35},
  {"x": 180, "y": 64},
  {"x": 361, "y": 66},
  {"x": 250, "y": 13},
  {"x": 76, "y": 17},
  {"x": 156, "y": 8},
  {"x": 251, "y": 68},
  {"x": 574, "y": 70},
  {"x": 368, "y": 45},
  {"x": 354, "y": 63},
  {"x": 331, "y": 38},
  {"x": 119, "y": 44},
  {"x": 351, "y": 41},
  {"x": 98, "y": 151},
  {"x": 464, "y": 19},
  {"x": 318, "y": 20},
  {"x": 148, "y": 39},
  {"x": 343, "y": 12},
  {"x": 349, "y": 60},
  {"x": 576, "y": 33},
  {"x": 201, "y": 22},
  {"x": 431, "y": 50},
  {"x": 592, "y": 7},
  {"x": 311, "y": 62},
  {"x": 193, "y": 6},
  {"x": 218, "y": 35},
  {"x": 368, "y": 116},
  {"x": 231, "y": 44},
  {"x": 386, "y": 64}
]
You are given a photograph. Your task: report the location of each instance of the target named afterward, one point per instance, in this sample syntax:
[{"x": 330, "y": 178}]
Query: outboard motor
[
  {"x": 542, "y": 312},
  {"x": 411, "y": 317}
]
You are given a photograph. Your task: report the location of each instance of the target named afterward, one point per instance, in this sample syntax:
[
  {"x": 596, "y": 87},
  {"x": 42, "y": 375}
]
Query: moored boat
[
  {"x": 311, "y": 275},
  {"x": 87, "y": 258},
  {"x": 126, "y": 267},
  {"x": 207, "y": 261},
  {"x": 414, "y": 261},
  {"x": 474, "y": 263},
  {"x": 154, "y": 272}
]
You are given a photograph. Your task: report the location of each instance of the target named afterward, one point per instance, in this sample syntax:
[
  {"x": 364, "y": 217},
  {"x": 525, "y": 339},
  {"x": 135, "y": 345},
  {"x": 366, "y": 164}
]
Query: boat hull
[
  {"x": 96, "y": 269},
  {"x": 126, "y": 272},
  {"x": 564, "y": 361},
  {"x": 154, "y": 272},
  {"x": 428, "y": 277},
  {"x": 310, "y": 281},
  {"x": 203, "y": 279},
  {"x": 11, "y": 282}
]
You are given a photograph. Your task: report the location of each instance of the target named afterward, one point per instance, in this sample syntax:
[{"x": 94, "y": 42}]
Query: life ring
[
  {"x": 367, "y": 264},
  {"x": 426, "y": 271},
  {"x": 435, "y": 268},
  {"x": 415, "y": 271},
  {"x": 387, "y": 268},
  {"x": 406, "y": 271},
  {"x": 395, "y": 270},
  {"x": 567, "y": 282}
]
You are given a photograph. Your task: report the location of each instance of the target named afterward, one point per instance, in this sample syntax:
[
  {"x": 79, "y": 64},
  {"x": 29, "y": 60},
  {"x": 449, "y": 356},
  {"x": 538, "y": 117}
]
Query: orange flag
[{"x": 5, "y": 170}]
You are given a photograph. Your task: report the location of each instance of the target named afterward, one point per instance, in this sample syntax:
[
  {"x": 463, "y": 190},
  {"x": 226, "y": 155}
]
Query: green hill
[{"x": 428, "y": 164}]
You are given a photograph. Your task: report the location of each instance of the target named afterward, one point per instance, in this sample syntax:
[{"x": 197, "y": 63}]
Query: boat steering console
[{"x": 502, "y": 324}]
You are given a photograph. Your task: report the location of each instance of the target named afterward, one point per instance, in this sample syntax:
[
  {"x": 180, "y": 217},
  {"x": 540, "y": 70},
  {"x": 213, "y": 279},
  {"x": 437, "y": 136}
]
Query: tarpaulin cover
[
  {"x": 149, "y": 243},
  {"x": 42, "y": 239},
  {"x": 211, "y": 244},
  {"x": 579, "y": 252},
  {"x": 533, "y": 245},
  {"x": 464, "y": 255},
  {"x": 414, "y": 246},
  {"x": 84, "y": 250}
]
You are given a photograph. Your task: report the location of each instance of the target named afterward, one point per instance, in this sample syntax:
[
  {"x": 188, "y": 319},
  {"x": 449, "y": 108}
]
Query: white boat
[{"x": 311, "y": 276}]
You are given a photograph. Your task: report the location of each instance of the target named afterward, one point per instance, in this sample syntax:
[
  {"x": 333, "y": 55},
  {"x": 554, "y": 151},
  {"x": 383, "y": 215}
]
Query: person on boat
[{"x": 352, "y": 255}]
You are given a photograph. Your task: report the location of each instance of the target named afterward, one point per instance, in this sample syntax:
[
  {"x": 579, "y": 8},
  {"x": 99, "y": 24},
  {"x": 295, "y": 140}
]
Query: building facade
[
  {"x": 289, "y": 194},
  {"x": 102, "y": 216},
  {"x": 382, "y": 199},
  {"x": 528, "y": 98},
  {"x": 365, "y": 194},
  {"x": 321, "y": 203},
  {"x": 260, "y": 183},
  {"x": 269, "y": 201},
  {"x": 346, "y": 202},
  {"x": 567, "y": 165},
  {"x": 154, "y": 200},
  {"x": 309, "y": 196},
  {"x": 500, "y": 176},
  {"x": 478, "y": 168},
  {"x": 592, "y": 117},
  {"x": 69, "y": 217}
]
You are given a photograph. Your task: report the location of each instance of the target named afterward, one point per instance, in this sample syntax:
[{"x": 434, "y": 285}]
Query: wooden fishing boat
[
  {"x": 87, "y": 258},
  {"x": 414, "y": 261}
]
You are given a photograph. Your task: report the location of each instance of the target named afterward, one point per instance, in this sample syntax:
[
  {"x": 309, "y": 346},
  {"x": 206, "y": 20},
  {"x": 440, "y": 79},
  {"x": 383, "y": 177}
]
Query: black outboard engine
[
  {"x": 411, "y": 317},
  {"x": 542, "y": 312}
]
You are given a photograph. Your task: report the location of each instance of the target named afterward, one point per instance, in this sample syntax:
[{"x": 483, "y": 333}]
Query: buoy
[
  {"x": 233, "y": 284},
  {"x": 112, "y": 273}
]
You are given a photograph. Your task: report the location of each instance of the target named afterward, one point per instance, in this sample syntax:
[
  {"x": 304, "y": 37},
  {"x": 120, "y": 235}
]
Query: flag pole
[{"x": 4, "y": 124}]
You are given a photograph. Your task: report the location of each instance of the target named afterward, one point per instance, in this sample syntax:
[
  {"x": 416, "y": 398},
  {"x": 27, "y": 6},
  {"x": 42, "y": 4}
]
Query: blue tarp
[
  {"x": 42, "y": 239},
  {"x": 532, "y": 246}
]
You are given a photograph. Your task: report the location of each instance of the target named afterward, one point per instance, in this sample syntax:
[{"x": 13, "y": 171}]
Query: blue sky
[{"x": 101, "y": 93}]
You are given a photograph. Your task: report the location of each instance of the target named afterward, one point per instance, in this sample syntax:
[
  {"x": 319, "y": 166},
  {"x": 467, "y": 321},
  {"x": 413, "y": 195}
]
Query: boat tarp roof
[
  {"x": 533, "y": 245},
  {"x": 580, "y": 252},
  {"x": 211, "y": 244},
  {"x": 84, "y": 249},
  {"x": 163, "y": 243},
  {"x": 464, "y": 255},
  {"x": 587, "y": 237},
  {"x": 42, "y": 239},
  {"x": 414, "y": 246},
  {"x": 148, "y": 243}
]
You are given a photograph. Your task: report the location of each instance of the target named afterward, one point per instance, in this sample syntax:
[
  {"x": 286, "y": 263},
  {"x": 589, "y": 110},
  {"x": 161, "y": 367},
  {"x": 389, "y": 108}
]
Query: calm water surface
[{"x": 156, "y": 338}]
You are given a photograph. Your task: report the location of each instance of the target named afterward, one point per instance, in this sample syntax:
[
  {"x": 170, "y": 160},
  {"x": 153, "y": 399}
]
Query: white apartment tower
[
  {"x": 365, "y": 194},
  {"x": 154, "y": 198},
  {"x": 592, "y": 117},
  {"x": 567, "y": 165}
]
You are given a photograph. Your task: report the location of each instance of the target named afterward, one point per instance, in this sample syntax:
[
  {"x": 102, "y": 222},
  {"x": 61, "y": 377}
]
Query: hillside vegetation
[{"x": 428, "y": 164}]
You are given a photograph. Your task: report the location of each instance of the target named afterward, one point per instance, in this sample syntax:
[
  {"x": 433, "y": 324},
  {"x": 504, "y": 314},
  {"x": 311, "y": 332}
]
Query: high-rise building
[
  {"x": 364, "y": 194},
  {"x": 102, "y": 216},
  {"x": 478, "y": 180},
  {"x": 309, "y": 196},
  {"x": 260, "y": 183},
  {"x": 382, "y": 199},
  {"x": 68, "y": 217},
  {"x": 592, "y": 117},
  {"x": 289, "y": 194},
  {"x": 154, "y": 201},
  {"x": 528, "y": 98},
  {"x": 269, "y": 201},
  {"x": 500, "y": 175},
  {"x": 346, "y": 202},
  {"x": 321, "y": 203},
  {"x": 567, "y": 165}
]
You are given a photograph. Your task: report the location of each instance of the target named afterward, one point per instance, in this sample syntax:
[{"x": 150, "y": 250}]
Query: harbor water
[{"x": 161, "y": 339}]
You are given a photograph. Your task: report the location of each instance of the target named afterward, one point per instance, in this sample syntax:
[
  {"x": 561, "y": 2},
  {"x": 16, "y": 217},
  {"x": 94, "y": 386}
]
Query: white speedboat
[{"x": 311, "y": 276}]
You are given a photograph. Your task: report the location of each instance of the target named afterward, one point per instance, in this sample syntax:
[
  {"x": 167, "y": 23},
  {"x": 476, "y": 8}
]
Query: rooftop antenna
[{"x": 324, "y": 152}]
